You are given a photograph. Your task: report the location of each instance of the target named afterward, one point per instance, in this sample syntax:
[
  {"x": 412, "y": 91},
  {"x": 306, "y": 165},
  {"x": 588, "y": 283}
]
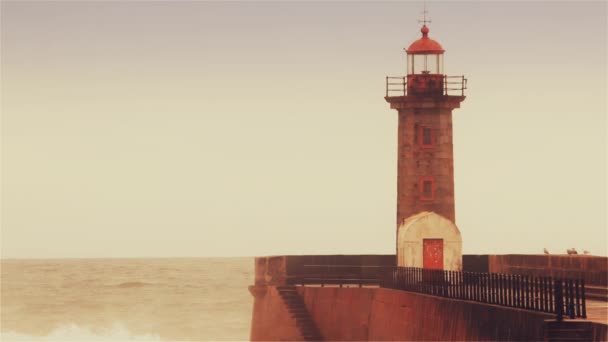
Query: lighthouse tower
[{"x": 424, "y": 100}]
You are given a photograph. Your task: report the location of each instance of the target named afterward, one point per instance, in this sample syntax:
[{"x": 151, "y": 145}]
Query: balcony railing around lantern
[{"x": 452, "y": 85}]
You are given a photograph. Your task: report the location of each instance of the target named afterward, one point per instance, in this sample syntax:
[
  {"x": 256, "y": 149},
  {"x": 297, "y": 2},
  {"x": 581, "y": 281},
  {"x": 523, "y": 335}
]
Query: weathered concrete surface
[
  {"x": 270, "y": 319},
  {"x": 280, "y": 270},
  {"x": 377, "y": 314},
  {"x": 428, "y": 225},
  {"x": 417, "y": 161}
]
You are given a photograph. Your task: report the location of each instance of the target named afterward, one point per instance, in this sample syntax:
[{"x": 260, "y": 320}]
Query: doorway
[{"x": 432, "y": 254}]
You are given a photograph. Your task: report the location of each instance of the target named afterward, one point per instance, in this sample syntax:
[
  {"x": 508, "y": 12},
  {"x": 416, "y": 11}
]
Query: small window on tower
[
  {"x": 427, "y": 188},
  {"x": 425, "y": 137}
]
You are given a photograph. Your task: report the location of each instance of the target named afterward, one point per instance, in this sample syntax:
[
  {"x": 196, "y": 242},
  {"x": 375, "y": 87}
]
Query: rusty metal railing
[
  {"x": 452, "y": 85},
  {"x": 562, "y": 297},
  {"x": 396, "y": 86}
]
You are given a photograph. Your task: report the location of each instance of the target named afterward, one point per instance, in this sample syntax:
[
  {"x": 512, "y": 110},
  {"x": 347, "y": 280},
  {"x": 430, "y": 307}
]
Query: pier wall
[
  {"x": 591, "y": 268},
  {"x": 270, "y": 319},
  {"x": 373, "y": 313},
  {"x": 377, "y": 314}
]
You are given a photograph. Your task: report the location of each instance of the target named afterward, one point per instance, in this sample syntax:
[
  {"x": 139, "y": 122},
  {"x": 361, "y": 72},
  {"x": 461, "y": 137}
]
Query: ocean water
[{"x": 193, "y": 299}]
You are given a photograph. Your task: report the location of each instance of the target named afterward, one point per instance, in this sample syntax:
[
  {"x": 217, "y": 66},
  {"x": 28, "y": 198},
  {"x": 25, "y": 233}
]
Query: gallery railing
[
  {"x": 562, "y": 297},
  {"x": 450, "y": 85}
]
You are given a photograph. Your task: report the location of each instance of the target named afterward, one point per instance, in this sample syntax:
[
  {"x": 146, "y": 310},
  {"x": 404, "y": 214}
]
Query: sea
[{"x": 172, "y": 299}]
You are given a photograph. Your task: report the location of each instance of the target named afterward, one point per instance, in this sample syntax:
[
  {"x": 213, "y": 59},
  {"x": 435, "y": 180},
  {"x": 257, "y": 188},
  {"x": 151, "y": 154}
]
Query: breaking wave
[
  {"x": 74, "y": 332},
  {"x": 133, "y": 284}
]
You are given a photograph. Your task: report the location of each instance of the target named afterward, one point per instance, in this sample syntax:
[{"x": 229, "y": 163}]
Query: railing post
[
  {"x": 537, "y": 294},
  {"x": 423, "y": 277},
  {"x": 566, "y": 298},
  {"x": 527, "y": 282},
  {"x": 412, "y": 279},
  {"x": 491, "y": 297},
  {"x": 520, "y": 291},
  {"x": 436, "y": 282},
  {"x": 551, "y": 293},
  {"x": 514, "y": 291},
  {"x": 484, "y": 287},
  {"x": 478, "y": 284},
  {"x": 461, "y": 284},
  {"x": 559, "y": 300},
  {"x": 504, "y": 289},
  {"x": 474, "y": 286},
  {"x": 446, "y": 283},
  {"x": 584, "y": 304},
  {"x": 509, "y": 289},
  {"x": 533, "y": 293},
  {"x": 431, "y": 277},
  {"x": 438, "y": 274},
  {"x": 543, "y": 294},
  {"x": 489, "y": 287},
  {"x": 467, "y": 284},
  {"x": 514, "y": 284},
  {"x": 578, "y": 298},
  {"x": 571, "y": 298},
  {"x": 462, "y": 86}
]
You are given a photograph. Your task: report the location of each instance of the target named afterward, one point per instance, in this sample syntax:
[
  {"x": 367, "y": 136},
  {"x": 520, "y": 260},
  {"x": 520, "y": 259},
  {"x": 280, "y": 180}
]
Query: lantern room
[{"x": 425, "y": 66}]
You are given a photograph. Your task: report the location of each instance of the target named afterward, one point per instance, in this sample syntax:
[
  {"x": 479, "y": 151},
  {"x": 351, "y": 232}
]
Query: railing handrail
[
  {"x": 544, "y": 294},
  {"x": 401, "y": 87}
]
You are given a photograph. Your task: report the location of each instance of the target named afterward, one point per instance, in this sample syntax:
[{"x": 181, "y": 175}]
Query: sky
[{"x": 186, "y": 129}]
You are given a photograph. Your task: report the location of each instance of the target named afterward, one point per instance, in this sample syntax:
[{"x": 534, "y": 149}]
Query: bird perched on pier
[
  {"x": 571, "y": 251},
  {"x": 545, "y": 251}
]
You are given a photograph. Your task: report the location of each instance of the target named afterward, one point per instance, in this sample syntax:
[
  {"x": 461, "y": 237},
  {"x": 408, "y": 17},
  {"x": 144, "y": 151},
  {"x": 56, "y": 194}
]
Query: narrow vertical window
[
  {"x": 425, "y": 137},
  {"x": 427, "y": 188}
]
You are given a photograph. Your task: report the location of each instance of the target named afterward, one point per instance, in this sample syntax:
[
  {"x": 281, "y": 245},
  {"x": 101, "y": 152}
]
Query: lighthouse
[{"x": 424, "y": 99}]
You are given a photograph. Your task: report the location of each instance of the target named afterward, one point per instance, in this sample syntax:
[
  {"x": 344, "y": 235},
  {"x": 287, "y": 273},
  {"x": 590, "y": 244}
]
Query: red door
[{"x": 432, "y": 254}]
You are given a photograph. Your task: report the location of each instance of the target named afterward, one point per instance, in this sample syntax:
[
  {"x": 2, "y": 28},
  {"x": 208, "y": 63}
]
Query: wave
[
  {"x": 133, "y": 284},
  {"x": 73, "y": 332}
]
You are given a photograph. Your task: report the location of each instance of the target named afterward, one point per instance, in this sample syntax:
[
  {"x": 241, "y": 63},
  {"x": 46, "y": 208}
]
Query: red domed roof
[{"x": 425, "y": 45}]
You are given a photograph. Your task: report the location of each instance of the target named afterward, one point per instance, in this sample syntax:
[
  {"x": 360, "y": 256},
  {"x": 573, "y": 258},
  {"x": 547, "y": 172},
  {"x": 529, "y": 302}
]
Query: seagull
[
  {"x": 545, "y": 250},
  {"x": 572, "y": 251}
]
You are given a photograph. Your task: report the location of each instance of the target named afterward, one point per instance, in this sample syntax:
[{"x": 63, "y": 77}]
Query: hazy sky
[{"x": 252, "y": 128}]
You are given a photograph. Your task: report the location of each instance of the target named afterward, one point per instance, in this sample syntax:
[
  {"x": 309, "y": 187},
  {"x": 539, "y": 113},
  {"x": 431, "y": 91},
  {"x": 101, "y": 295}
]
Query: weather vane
[{"x": 424, "y": 12}]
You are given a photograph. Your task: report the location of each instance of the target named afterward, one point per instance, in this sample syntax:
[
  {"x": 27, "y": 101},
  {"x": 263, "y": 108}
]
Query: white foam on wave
[{"x": 73, "y": 332}]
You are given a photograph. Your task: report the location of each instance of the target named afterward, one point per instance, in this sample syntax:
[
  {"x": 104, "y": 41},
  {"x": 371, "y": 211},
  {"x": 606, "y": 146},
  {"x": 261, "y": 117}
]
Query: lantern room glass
[{"x": 424, "y": 64}]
